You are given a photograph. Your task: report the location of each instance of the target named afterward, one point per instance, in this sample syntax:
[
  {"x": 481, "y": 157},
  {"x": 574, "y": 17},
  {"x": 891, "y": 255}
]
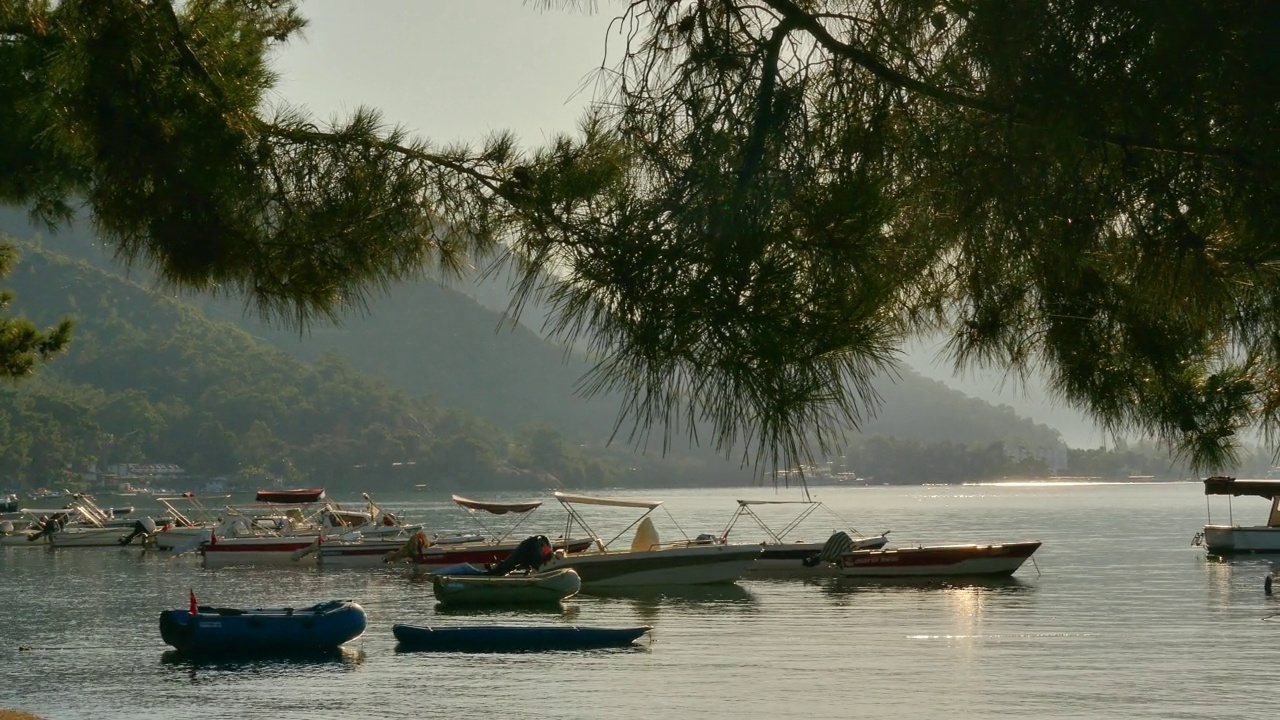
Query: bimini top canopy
[
  {"x": 497, "y": 508},
  {"x": 1224, "y": 485},
  {"x": 611, "y": 502}
]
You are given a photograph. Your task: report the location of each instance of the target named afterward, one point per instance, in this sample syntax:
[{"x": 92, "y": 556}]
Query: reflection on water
[
  {"x": 849, "y": 585},
  {"x": 567, "y": 611},
  {"x": 649, "y": 603},
  {"x": 213, "y": 668}
]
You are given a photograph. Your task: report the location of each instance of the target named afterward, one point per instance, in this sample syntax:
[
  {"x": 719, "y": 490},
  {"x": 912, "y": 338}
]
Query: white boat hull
[
  {"x": 257, "y": 551},
  {"x": 89, "y": 537},
  {"x": 694, "y": 565},
  {"x": 1233, "y": 539}
]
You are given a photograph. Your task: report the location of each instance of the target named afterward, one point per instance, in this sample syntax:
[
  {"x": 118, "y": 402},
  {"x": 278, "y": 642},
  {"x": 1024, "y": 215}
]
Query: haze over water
[{"x": 1118, "y": 617}]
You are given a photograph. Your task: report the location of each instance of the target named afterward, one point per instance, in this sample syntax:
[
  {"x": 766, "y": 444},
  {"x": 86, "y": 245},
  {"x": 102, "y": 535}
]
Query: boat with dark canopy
[{"x": 1232, "y": 539}]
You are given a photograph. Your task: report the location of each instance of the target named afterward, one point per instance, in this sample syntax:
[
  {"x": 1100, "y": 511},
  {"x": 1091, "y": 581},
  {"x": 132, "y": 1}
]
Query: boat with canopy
[
  {"x": 782, "y": 556},
  {"x": 1233, "y": 539},
  {"x": 648, "y": 562},
  {"x": 490, "y": 546}
]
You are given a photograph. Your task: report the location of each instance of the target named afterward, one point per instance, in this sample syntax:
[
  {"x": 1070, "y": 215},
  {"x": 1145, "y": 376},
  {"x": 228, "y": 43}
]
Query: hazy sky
[
  {"x": 456, "y": 71},
  {"x": 449, "y": 71}
]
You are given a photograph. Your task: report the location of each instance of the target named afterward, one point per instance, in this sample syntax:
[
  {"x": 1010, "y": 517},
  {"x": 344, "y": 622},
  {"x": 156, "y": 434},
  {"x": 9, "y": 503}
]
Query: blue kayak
[
  {"x": 513, "y": 638},
  {"x": 263, "y": 631}
]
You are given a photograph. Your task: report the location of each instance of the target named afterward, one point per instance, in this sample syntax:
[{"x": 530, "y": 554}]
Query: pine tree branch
[{"x": 811, "y": 24}]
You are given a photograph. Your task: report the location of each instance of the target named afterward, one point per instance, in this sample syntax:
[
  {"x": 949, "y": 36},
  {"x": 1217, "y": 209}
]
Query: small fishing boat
[
  {"x": 310, "y": 495},
  {"x": 272, "y": 631},
  {"x": 993, "y": 560},
  {"x": 514, "y": 638},
  {"x": 484, "y": 589}
]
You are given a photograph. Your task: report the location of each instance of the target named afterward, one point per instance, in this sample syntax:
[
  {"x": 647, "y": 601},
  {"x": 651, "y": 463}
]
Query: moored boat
[
  {"x": 994, "y": 560},
  {"x": 514, "y": 638},
  {"x": 483, "y": 589},
  {"x": 706, "y": 560},
  {"x": 290, "y": 497},
  {"x": 1233, "y": 539},
  {"x": 204, "y": 629},
  {"x": 781, "y": 556}
]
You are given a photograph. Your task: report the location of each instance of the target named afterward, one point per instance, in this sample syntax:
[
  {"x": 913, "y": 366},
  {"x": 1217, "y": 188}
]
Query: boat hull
[
  {"x": 263, "y": 631},
  {"x": 361, "y": 553},
  {"x": 1236, "y": 540},
  {"x": 693, "y": 565},
  {"x": 480, "y": 554},
  {"x": 537, "y": 588},
  {"x": 789, "y": 558},
  {"x": 89, "y": 537},
  {"x": 938, "y": 561},
  {"x": 256, "y": 551},
  {"x": 497, "y": 638}
]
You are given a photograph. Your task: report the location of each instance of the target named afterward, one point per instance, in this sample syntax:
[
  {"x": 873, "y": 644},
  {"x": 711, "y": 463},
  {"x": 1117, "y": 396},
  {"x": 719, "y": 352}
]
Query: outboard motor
[
  {"x": 145, "y": 527},
  {"x": 836, "y": 545},
  {"x": 6, "y": 528},
  {"x": 530, "y": 554},
  {"x": 49, "y": 525}
]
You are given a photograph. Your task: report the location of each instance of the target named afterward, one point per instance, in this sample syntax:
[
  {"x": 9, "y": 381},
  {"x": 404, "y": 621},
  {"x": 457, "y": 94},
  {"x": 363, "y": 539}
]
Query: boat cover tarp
[
  {"x": 1223, "y": 485},
  {"x": 497, "y": 508},
  {"x": 611, "y": 502}
]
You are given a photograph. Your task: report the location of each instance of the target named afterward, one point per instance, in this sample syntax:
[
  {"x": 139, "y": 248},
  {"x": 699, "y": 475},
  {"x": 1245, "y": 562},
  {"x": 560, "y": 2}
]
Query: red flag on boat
[{"x": 194, "y": 609}]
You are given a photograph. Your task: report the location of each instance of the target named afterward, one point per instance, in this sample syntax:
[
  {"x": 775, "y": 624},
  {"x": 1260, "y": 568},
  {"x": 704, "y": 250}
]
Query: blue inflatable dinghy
[
  {"x": 513, "y": 638},
  {"x": 270, "y": 631}
]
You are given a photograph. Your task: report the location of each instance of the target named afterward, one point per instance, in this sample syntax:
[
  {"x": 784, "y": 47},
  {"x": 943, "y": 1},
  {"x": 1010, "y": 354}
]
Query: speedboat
[
  {"x": 782, "y": 556},
  {"x": 648, "y": 562},
  {"x": 938, "y": 561},
  {"x": 1232, "y": 539}
]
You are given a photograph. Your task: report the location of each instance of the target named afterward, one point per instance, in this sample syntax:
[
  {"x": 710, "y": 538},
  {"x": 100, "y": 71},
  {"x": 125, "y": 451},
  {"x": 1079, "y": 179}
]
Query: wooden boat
[
  {"x": 1233, "y": 539},
  {"x": 547, "y": 587},
  {"x": 290, "y": 496},
  {"x": 204, "y": 629},
  {"x": 938, "y": 560},
  {"x": 514, "y": 638}
]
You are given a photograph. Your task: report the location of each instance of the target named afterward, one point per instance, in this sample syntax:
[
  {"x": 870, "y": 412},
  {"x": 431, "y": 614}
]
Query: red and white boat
[
  {"x": 994, "y": 560},
  {"x": 285, "y": 535}
]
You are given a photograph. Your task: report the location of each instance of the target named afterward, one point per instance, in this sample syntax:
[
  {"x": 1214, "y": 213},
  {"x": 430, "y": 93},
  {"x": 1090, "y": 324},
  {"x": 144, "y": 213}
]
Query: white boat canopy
[
  {"x": 611, "y": 502},
  {"x": 497, "y": 508}
]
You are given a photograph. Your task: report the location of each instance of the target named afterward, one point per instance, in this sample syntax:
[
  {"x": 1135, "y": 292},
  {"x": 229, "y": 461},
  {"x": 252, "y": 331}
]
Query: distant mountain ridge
[{"x": 437, "y": 341}]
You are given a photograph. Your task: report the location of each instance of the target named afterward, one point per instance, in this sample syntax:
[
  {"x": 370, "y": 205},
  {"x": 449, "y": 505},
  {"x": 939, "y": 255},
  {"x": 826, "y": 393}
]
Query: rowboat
[
  {"x": 290, "y": 497},
  {"x": 994, "y": 560},
  {"x": 482, "y": 589},
  {"x": 204, "y": 629},
  {"x": 514, "y": 638}
]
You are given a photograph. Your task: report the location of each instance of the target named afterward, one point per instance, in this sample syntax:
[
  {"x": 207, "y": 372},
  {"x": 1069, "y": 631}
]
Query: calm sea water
[{"x": 1119, "y": 617}]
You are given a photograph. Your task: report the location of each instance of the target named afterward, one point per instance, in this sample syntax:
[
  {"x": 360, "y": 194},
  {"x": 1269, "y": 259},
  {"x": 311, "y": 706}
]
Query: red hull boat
[
  {"x": 938, "y": 561},
  {"x": 290, "y": 496}
]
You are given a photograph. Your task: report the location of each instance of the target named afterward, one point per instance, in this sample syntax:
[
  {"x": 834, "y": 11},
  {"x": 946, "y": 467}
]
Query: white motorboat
[
  {"x": 1233, "y": 539},
  {"x": 283, "y": 534},
  {"x": 786, "y": 557},
  {"x": 648, "y": 562},
  {"x": 491, "y": 545}
]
